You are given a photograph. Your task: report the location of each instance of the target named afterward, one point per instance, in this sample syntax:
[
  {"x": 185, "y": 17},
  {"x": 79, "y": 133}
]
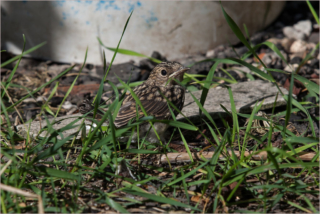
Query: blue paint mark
[
  {"x": 87, "y": 22},
  {"x": 72, "y": 8},
  {"x": 150, "y": 19},
  {"x": 24, "y": 1},
  {"x": 61, "y": 23},
  {"x": 106, "y": 5},
  {"x": 76, "y": 12},
  {"x": 115, "y": 7},
  {"x": 64, "y": 16},
  {"x": 99, "y": 5},
  {"x": 88, "y": 2},
  {"x": 133, "y": 5}
]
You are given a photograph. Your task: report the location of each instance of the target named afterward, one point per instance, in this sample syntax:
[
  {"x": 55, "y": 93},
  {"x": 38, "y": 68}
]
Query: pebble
[
  {"x": 274, "y": 40},
  {"x": 41, "y": 99},
  {"x": 304, "y": 26},
  {"x": 314, "y": 63},
  {"x": 267, "y": 59},
  {"x": 193, "y": 188},
  {"x": 165, "y": 206},
  {"x": 296, "y": 60},
  {"x": 286, "y": 43},
  {"x": 68, "y": 105},
  {"x": 298, "y": 46},
  {"x": 210, "y": 54},
  {"x": 292, "y": 33},
  {"x": 291, "y": 67},
  {"x": 314, "y": 37},
  {"x": 221, "y": 55},
  {"x": 272, "y": 58}
]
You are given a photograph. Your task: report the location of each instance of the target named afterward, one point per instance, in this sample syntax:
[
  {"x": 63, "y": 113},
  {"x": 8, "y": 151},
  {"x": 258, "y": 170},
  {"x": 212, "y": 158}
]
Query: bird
[{"x": 161, "y": 82}]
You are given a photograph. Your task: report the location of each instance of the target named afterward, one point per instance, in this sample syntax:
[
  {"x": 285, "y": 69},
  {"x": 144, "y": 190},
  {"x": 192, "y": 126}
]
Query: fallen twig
[
  {"x": 184, "y": 157},
  {"x": 24, "y": 193}
]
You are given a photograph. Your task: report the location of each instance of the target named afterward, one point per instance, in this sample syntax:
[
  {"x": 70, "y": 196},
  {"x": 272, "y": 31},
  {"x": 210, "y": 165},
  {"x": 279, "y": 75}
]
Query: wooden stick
[
  {"x": 184, "y": 157},
  {"x": 24, "y": 193}
]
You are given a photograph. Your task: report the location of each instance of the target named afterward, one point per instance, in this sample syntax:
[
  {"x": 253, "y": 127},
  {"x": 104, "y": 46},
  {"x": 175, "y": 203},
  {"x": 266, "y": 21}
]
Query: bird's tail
[{"x": 86, "y": 106}]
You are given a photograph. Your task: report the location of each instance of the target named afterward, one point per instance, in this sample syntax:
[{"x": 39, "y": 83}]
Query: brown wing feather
[{"x": 153, "y": 103}]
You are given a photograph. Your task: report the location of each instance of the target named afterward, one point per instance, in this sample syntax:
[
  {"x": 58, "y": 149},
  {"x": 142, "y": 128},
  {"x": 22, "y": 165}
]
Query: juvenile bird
[{"x": 161, "y": 79}]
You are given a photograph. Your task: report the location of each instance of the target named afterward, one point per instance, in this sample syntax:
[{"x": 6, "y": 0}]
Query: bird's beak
[{"x": 179, "y": 72}]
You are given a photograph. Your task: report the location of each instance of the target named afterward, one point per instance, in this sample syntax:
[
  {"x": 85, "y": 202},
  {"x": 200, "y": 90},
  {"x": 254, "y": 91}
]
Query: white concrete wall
[{"x": 174, "y": 28}]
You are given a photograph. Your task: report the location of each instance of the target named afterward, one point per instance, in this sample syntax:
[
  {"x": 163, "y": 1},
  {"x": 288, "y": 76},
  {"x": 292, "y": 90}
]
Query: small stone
[
  {"x": 229, "y": 52},
  {"x": 286, "y": 43},
  {"x": 267, "y": 59},
  {"x": 296, "y": 60},
  {"x": 314, "y": 63},
  {"x": 314, "y": 37},
  {"x": 210, "y": 54},
  {"x": 221, "y": 55},
  {"x": 242, "y": 50},
  {"x": 193, "y": 188},
  {"x": 298, "y": 46},
  {"x": 304, "y": 26},
  {"x": 165, "y": 206},
  {"x": 151, "y": 204},
  {"x": 241, "y": 69},
  {"x": 290, "y": 68},
  {"x": 311, "y": 46},
  {"x": 291, "y": 33},
  {"x": 41, "y": 99},
  {"x": 274, "y": 40},
  {"x": 249, "y": 60},
  {"x": 68, "y": 105},
  {"x": 272, "y": 58},
  {"x": 107, "y": 86}
]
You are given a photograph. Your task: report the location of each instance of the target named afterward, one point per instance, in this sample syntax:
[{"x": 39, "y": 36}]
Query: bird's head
[{"x": 165, "y": 73}]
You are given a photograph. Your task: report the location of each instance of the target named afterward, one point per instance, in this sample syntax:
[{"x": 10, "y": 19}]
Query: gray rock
[
  {"x": 271, "y": 58},
  {"x": 245, "y": 95},
  {"x": 292, "y": 33},
  {"x": 298, "y": 46},
  {"x": 314, "y": 37},
  {"x": 286, "y": 43},
  {"x": 210, "y": 54},
  {"x": 60, "y": 122},
  {"x": 304, "y": 26},
  {"x": 240, "y": 70}
]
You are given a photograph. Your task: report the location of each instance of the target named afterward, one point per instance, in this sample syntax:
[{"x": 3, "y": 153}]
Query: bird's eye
[{"x": 164, "y": 72}]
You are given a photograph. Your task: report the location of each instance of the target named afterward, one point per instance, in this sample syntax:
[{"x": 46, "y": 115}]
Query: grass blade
[
  {"x": 160, "y": 199},
  {"x": 314, "y": 13}
]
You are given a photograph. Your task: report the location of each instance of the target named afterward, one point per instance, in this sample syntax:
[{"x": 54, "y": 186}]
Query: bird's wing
[{"x": 152, "y": 101}]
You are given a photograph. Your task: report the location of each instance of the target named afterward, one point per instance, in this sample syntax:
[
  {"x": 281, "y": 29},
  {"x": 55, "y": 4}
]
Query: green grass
[{"x": 85, "y": 180}]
